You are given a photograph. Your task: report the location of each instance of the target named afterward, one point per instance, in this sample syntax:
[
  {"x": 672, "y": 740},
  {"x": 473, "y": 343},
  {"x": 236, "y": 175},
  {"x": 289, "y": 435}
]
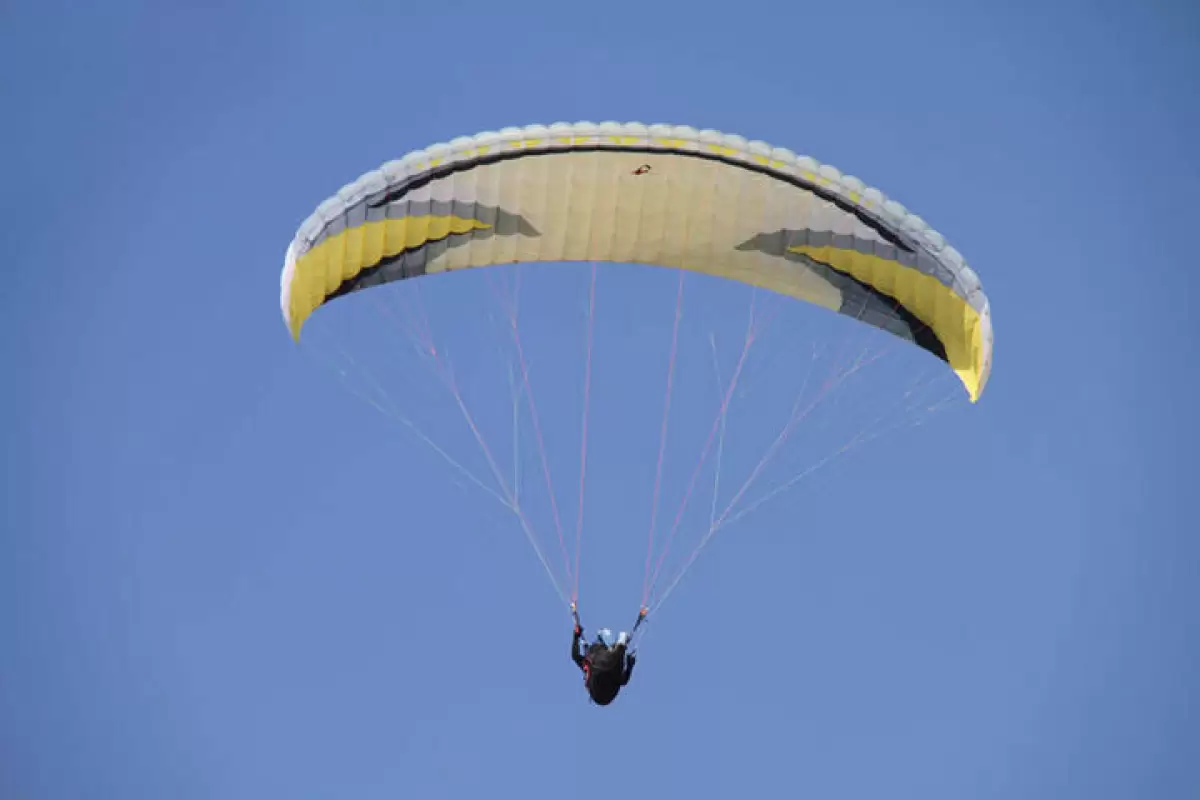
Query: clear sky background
[{"x": 223, "y": 576}]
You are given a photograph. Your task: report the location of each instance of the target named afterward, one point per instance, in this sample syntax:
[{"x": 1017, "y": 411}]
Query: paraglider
[
  {"x": 607, "y": 666},
  {"x": 668, "y": 196}
]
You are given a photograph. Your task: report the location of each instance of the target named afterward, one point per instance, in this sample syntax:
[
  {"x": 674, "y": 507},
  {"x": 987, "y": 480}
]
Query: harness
[{"x": 587, "y": 659}]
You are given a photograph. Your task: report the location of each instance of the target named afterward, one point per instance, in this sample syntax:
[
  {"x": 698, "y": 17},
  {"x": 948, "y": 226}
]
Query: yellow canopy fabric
[{"x": 663, "y": 195}]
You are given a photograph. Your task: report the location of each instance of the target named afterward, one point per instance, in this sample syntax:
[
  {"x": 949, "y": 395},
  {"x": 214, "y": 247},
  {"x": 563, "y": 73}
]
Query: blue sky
[{"x": 224, "y": 576}]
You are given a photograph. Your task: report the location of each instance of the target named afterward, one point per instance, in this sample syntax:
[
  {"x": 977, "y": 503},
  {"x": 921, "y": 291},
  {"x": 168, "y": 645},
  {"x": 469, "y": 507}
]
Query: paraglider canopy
[{"x": 662, "y": 195}]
